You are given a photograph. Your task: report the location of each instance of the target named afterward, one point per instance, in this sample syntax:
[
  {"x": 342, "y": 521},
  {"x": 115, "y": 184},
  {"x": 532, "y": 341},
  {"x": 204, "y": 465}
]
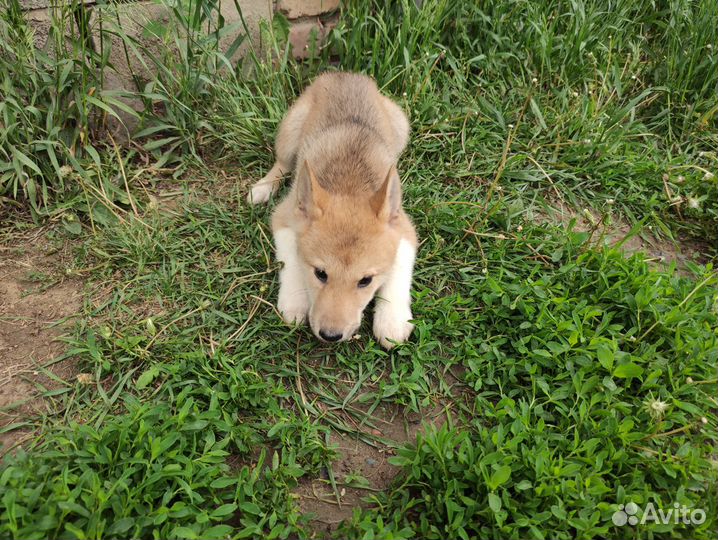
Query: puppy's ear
[
  {"x": 386, "y": 202},
  {"x": 312, "y": 198}
]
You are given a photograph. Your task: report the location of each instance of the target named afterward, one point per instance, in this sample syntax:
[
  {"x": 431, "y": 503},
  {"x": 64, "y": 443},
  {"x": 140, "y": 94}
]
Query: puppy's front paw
[
  {"x": 294, "y": 310},
  {"x": 392, "y": 325},
  {"x": 260, "y": 192}
]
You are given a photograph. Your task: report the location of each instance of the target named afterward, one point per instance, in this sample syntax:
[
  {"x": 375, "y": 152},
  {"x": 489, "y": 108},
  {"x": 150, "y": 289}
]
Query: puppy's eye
[
  {"x": 321, "y": 275},
  {"x": 363, "y": 282}
]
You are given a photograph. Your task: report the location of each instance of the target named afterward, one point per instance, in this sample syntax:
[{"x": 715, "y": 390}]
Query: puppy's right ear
[
  {"x": 386, "y": 202},
  {"x": 312, "y": 198}
]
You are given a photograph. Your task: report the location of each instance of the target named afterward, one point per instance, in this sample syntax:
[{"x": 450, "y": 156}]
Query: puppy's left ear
[
  {"x": 386, "y": 202},
  {"x": 312, "y": 198}
]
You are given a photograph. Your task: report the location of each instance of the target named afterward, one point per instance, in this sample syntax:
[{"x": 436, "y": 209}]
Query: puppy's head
[{"x": 348, "y": 244}]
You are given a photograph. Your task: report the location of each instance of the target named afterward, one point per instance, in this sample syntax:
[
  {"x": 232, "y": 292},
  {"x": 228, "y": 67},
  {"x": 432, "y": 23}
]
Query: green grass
[
  {"x": 52, "y": 107},
  {"x": 574, "y": 378}
]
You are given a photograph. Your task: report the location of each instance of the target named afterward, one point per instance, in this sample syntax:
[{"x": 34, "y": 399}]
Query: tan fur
[{"x": 342, "y": 139}]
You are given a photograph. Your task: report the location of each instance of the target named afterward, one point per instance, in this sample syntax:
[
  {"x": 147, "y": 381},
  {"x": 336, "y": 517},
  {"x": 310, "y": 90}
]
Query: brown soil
[
  {"x": 329, "y": 507},
  {"x": 659, "y": 251},
  {"x": 36, "y": 302}
]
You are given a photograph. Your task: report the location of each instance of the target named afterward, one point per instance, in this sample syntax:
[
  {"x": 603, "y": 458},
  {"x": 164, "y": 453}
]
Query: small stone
[
  {"x": 303, "y": 33},
  {"x": 84, "y": 378},
  {"x": 150, "y": 325},
  {"x": 306, "y": 8}
]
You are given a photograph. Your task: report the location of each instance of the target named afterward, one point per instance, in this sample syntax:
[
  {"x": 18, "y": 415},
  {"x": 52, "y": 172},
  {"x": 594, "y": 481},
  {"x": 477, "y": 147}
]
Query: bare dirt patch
[
  {"x": 658, "y": 250},
  {"x": 360, "y": 459},
  {"x": 37, "y": 303}
]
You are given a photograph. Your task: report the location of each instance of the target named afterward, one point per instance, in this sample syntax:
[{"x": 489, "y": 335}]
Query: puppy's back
[
  {"x": 345, "y": 98},
  {"x": 350, "y": 136}
]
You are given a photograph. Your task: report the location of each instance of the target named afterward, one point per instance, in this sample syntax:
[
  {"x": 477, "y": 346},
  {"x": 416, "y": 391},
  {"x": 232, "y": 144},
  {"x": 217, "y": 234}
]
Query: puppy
[{"x": 341, "y": 231}]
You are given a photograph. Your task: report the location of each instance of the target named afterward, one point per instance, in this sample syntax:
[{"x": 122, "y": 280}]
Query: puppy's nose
[{"x": 328, "y": 336}]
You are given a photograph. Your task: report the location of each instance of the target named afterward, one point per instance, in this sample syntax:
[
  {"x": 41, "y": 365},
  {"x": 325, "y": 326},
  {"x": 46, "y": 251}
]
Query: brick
[
  {"x": 40, "y": 20},
  {"x": 133, "y": 18},
  {"x": 253, "y": 12},
  {"x": 28, "y": 5},
  {"x": 306, "y": 8},
  {"x": 301, "y": 35}
]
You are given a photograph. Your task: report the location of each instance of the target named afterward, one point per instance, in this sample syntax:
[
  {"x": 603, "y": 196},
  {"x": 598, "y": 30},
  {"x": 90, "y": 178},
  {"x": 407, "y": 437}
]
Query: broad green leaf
[
  {"x": 494, "y": 502},
  {"x": 147, "y": 377},
  {"x": 223, "y": 510},
  {"x": 500, "y": 476},
  {"x": 605, "y": 355},
  {"x": 630, "y": 369}
]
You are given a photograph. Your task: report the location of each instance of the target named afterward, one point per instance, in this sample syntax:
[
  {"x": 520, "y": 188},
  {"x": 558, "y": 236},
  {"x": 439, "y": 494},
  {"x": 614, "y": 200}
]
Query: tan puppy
[{"x": 341, "y": 231}]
